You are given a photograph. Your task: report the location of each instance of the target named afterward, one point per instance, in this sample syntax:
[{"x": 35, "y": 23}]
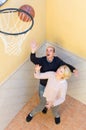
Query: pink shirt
[{"x": 55, "y": 89}]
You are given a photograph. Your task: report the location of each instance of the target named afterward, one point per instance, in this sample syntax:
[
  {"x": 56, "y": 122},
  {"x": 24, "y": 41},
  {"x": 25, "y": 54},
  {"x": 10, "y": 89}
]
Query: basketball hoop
[{"x": 14, "y": 28}]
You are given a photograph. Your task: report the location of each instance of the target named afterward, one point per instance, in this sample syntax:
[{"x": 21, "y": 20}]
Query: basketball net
[
  {"x": 13, "y": 44},
  {"x": 10, "y": 22}
]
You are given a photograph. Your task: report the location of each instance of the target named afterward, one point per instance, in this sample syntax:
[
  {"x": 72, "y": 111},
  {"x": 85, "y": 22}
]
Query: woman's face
[{"x": 60, "y": 71}]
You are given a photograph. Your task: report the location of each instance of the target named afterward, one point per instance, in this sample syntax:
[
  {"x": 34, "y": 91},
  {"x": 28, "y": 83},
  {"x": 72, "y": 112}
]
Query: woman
[{"x": 54, "y": 93}]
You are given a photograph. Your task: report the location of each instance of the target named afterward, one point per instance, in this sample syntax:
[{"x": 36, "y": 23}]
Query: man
[{"x": 50, "y": 62}]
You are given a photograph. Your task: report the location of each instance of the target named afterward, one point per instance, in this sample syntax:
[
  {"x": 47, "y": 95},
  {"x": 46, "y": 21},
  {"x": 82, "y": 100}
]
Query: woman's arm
[{"x": 39, "y": 75}]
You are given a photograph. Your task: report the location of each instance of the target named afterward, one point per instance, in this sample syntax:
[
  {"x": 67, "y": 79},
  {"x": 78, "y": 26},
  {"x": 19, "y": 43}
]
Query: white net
[
  {"x": 11, "y": 23},
  {"x": 12, "y": 44}
]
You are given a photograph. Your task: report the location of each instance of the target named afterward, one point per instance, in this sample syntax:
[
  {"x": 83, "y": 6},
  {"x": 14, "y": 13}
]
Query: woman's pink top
[{"x": 55, "y": 90}]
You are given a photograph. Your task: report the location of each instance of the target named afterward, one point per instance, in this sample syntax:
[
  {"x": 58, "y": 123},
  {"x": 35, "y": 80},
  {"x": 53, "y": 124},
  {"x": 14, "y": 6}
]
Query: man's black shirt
[{"x": 48, "y": 66}]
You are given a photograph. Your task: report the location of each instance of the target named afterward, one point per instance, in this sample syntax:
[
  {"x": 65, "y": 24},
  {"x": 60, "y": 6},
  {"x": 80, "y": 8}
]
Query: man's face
[{"x": 50, "y": 52}]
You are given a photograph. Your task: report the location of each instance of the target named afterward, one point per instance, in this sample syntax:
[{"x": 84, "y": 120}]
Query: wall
[
  {"x": 66, "y": 24},
  {"x": 9, "y": 63},
  {"x": 16, "y": 92}
]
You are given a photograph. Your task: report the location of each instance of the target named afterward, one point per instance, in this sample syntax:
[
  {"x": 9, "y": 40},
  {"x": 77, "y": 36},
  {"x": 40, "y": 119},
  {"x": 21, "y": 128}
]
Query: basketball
[{"x": 25, "y": 17}]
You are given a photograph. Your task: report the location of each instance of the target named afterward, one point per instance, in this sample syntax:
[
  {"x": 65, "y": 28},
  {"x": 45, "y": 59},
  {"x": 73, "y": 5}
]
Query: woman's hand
[
  {"x": 37, "y": 68},
  {"x": 49, "y": 104}
]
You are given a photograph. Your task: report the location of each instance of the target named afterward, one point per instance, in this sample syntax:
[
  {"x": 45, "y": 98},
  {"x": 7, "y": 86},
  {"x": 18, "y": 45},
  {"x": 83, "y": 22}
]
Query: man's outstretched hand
[
  {"x": 33, "y": 46},
  {"x": 75, "y": 72}
]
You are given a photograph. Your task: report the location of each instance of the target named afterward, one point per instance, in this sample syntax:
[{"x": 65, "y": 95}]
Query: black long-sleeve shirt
[{"x": 48, "y": 66}]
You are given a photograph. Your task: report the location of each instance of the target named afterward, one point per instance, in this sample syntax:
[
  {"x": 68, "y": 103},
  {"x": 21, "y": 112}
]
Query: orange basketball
[{"x": 23, "y": 16}]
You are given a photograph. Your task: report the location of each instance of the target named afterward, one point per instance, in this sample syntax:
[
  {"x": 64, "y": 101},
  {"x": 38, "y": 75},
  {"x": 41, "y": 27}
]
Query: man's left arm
[{"x": 72, "y": 68}]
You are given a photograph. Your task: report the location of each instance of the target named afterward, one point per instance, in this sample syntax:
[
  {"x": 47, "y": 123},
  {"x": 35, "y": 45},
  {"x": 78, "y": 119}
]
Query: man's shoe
[
  {"x": 57, "y": 120},
  {"x": 44, "y": 110},
  {"x": 29, "y": 117}
]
